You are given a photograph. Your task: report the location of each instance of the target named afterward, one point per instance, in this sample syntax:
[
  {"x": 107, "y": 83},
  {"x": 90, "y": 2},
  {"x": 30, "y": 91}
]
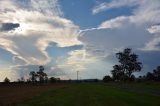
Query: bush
[
  {"x": 107, "y": 78},
  {"x": 6, "y": 80}
]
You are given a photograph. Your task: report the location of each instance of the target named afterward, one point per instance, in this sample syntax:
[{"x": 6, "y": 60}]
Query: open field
[
  {"x": 14, "y": 93},
  {"x": 97, "y": 95},
  {"x": 81, "y": 94}
]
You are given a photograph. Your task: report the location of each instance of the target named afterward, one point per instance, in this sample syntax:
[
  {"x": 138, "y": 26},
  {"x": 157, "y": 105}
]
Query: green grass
[
  {"x": 93, "y": 95},
  {"x": 149, "y": 85}
]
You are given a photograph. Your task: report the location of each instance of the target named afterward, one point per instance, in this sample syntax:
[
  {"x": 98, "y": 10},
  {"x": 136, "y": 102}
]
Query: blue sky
[
  {"x": 80, "y": 12},
  {"x": 67, "y": 36}
]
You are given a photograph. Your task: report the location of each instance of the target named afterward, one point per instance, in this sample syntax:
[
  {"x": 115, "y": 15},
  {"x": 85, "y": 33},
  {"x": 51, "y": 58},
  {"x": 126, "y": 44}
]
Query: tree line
[
  {"x": 128, "y": 64},
  {"x": 36, "y": 77}
]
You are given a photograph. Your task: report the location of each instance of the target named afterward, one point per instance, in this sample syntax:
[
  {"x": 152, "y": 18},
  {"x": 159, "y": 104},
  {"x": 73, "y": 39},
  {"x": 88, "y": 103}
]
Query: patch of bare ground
[{"x": 13, "y": 93}]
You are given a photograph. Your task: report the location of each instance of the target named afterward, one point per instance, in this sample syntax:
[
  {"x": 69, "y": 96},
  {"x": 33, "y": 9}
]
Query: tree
[
  {"x": 41, "y": 68},
  {"x": 150, "y": 76},
  {"x": 156, "y": 73},
  {"x": 117, "y": 73},
  {"x": 52, "y": 79},
  {"x": 128, "y": 64},
  {"x": 21, "y": 80},
  {"x": 42, "y": 76},
  {"x": 133, "y": 78},
  {"x": 107, "y": 78},
  {"x": 6, "y": 80},
  {"x": 141, "y": 78},
  {"x": 33, "y": 76}
]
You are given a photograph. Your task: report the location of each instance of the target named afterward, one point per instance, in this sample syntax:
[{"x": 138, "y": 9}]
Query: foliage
[
  {"x": 128, "y": 64},
  {"x": 6, "y": 80},
  {"x": 156, "y": 73},
  {"x": 33, "y": 76},
  {"x": 153, "y": 76},
  {"x": 150, "y": 76},
  {"x": 107, "y": 78},
  {"x": 52, "y": 79},
  {"x": 21, "y": 80},
  {"x": 40, "y": 74}
]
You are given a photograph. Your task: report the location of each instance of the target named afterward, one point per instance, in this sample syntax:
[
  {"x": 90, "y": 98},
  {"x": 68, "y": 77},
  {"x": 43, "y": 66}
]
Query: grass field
[{"x": 96, "y": 95}]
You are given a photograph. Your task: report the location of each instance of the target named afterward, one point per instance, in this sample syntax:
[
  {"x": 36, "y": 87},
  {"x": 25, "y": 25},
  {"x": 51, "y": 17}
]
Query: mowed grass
[
  {"x": 93, "y": 95},
  {"x": 149, "y": 85}
]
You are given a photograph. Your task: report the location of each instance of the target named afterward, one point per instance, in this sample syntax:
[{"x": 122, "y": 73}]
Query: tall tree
[
  {"x": 150, "y": 76},
  {"x": 128, "y": 64},
  {"x": 156, "y": 73},
  {"x": 42, "y": 76},
  {"x": 33, "y": 76},
  {"x": 117, "y": 72}
]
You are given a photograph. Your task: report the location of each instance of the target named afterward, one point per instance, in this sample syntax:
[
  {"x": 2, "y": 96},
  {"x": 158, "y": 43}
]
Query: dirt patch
[{"x": 12, "y": 94}]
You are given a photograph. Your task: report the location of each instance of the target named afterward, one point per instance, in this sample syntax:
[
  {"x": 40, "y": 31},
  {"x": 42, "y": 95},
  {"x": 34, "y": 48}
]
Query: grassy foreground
[{"x": 93, "y": 95}]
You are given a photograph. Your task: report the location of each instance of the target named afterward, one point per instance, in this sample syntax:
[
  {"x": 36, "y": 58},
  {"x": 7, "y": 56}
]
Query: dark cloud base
[{"x": 9, "y": 26}]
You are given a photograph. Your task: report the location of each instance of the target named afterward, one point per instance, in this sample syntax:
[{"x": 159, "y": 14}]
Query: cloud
[
  {"x": 48, "y": 7},
  {"x": 145, "y": 11},
  {"x": 11, "y": 74},
  {"x": 8, "y": 26},
  {"x": 113, "y": 23},
  {"x": 139, "y": 31},
  {"x": 90, "y": 51},
  {"x": 114, "y": 4},
  {"x": 154, "y": 29},
  {"x": 36, "y": 31},
  {"x": 88, "y": 64},
  {"x": 153, "y": 45},
  {"x": 34, "y": 24},
  {"x": 24, "y": 70}
]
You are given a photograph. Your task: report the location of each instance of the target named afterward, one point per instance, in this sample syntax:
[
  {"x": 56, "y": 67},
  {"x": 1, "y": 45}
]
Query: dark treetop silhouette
[
  {"x": 40, "y": 74},
  {"x": 128, "y": 64}
]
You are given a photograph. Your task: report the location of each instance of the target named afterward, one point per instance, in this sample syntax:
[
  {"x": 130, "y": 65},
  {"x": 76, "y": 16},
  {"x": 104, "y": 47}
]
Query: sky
[{"x": 66, "y": 36}]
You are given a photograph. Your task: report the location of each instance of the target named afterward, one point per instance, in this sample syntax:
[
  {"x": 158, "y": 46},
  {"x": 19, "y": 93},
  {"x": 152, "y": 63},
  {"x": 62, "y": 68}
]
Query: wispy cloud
[{"x": 114, "y": 4}]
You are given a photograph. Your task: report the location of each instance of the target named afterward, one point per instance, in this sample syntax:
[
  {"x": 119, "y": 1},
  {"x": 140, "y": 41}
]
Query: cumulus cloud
[
  {"x": 33, "y": 27},
  {"x": 154, "y": 29},
  {"x": 36, "y": 31}
]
